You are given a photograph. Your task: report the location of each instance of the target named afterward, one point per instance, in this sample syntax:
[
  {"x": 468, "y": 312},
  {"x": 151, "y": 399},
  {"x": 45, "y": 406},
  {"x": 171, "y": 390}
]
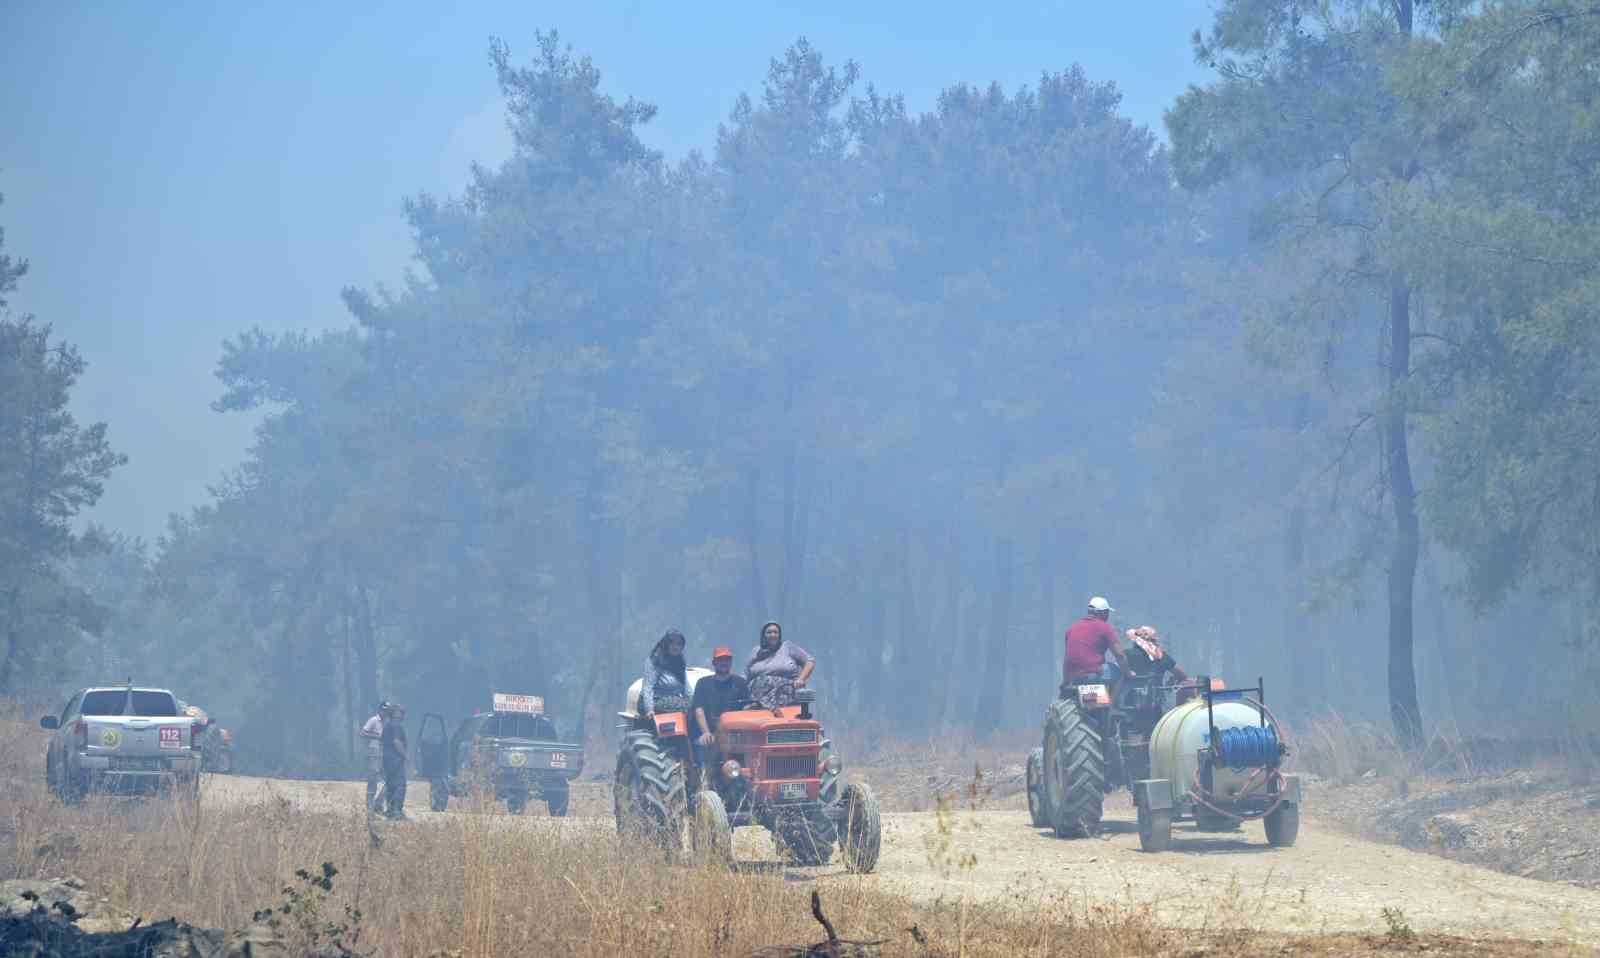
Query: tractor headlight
[
  {"x": 730, "y": 769},
  {"x": 833, "y": 765}
]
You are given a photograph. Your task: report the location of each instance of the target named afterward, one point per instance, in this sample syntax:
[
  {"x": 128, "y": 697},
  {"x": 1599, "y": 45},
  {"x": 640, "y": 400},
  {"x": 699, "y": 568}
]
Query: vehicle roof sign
[{"x": 527, "y": 704}]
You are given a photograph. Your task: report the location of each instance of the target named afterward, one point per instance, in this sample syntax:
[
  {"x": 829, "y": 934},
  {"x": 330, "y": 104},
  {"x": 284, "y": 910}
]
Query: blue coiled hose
[{"x": 1250, "y": 746}]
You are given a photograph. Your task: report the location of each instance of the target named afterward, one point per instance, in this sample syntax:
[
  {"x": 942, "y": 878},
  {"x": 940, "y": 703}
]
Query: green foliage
[
  {"x": 51, "y": 468},
  {"x": 300, "y": 919}
]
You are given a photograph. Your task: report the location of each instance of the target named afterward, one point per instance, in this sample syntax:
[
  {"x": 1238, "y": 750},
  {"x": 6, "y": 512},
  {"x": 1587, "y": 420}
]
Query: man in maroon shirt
[{"x": 1088, "y": 640}]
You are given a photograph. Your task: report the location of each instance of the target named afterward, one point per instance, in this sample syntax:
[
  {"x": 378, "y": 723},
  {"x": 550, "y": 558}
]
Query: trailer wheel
[
  {"x": 1155, "y": 829},
  {"x": 1283, "y": 825}
]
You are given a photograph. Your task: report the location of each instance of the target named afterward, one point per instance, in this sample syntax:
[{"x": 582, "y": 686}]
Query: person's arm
[
  {"x": 1116, "y": 649},
  {"x": 1177, "y": 672},
  {"x": 805, "y": 673},
  {"x": 647, "y": 695},
  {"x": 698, "y": 705}
]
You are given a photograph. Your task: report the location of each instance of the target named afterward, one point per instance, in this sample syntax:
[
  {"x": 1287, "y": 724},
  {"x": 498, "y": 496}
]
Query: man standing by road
[
  {"x": 394, "y": 760},
  {"x": 715, "y": 694},
  {"x": 1088, "y": 640},
  {"x": 372, "y": 731}
]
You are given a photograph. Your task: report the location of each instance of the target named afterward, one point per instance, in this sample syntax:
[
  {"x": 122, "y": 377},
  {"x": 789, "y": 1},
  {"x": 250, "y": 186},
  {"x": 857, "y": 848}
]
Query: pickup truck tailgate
[{"x": 139, "y": 737}]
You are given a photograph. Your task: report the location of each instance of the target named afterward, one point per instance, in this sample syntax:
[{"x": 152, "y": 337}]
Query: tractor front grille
[
  {"x": 791, "y": 766},
  {"x": 792, "y": 736}
]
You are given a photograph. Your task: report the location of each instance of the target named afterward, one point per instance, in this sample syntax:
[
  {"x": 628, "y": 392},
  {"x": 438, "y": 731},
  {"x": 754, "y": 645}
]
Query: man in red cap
[{"x": 715, "y": 694}]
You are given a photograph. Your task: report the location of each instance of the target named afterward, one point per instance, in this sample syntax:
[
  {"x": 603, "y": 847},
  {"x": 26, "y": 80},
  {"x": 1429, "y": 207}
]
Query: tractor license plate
[
  {"x": 558, "y": 759},
  {"x": 789, "y": 790},
  {"x": 1093, "y": 693}
]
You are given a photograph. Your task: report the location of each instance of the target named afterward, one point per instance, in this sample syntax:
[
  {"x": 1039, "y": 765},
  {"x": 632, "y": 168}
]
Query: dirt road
[{"x": 1327, "y": 882}]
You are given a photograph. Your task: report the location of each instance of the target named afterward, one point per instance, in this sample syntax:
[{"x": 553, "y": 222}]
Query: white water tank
[{"x": 1183, "y": 732}]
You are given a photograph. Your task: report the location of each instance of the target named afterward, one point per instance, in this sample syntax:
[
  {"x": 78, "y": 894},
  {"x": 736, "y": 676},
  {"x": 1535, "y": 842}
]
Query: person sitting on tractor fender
[
  {"x": 719, "y": 692},
  {"x": 1146, "y": 657},
  {"x": 666, "y": 686},
  {"x": 1088, "y": 641},
  {"x": 777, "y": 668}
]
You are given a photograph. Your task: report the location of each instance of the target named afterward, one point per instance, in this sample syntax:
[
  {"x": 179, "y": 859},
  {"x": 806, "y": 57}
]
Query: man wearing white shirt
[{"x": 372, "y": 731}]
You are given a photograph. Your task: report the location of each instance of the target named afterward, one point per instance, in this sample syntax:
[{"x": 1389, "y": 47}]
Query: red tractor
[{"x": 768, "y": 767}]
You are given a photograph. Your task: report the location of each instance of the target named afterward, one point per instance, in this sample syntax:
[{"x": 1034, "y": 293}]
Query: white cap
[{"x": 1099, "y": 604}]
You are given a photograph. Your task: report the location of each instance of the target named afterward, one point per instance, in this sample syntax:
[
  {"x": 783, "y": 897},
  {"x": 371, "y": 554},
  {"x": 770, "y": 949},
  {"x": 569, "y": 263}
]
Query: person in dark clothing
[
  {"x": 719, "y": 692},
  {"x": 1147, "y": 658},
  {"x": 666, "y": 685},
  {"x": 394, "y": 761}
]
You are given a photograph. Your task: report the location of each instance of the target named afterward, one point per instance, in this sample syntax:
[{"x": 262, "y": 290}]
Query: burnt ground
[{"x": 1532, "y": 824}]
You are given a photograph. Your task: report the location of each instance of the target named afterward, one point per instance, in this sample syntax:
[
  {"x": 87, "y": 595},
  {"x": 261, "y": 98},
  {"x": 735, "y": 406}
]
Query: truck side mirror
[{"x": 50, "y": 722}]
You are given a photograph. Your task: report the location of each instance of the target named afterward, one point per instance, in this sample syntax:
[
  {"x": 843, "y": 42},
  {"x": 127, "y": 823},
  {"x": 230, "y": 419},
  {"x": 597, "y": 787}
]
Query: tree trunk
[
  {"x": 911, "y": 680},
  {"x": 947, "y": 650},
  {"x": 758, "y": 587},
  {"x": 1403, "y": 706},
  {"x": 1047, "y": 620},
  {"x": 13, "y": 630},
  {"x": 366, "y": 650},
  {"x": 991, "y": 698}
]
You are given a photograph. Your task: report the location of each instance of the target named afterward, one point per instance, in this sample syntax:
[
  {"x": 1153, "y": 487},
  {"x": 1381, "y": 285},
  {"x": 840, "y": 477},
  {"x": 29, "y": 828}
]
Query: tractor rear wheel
[
  {"x": 1037, "y": 812},
  {"x": 1283, "y": 825},
  {"x": 648, "y": 794},
  {"x": 1074, "y": 771},
  {"x": 863, "y": 829},
  {"x": 711, "y": 833}
]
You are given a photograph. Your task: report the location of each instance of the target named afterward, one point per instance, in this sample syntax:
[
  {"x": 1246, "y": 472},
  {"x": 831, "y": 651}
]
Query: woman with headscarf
[
  {"x": 666, "y": 685},
  {"x": 1146, "y": 657},
  {"x": 777, "y": 667}
]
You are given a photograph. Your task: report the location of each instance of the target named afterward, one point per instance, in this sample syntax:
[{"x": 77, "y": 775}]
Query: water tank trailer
[{"x": 1218, "y": 760}]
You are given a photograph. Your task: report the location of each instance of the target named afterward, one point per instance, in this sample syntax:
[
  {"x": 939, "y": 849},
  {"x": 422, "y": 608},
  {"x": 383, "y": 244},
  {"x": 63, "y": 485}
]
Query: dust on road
[{"x": 1328, "y": 881}]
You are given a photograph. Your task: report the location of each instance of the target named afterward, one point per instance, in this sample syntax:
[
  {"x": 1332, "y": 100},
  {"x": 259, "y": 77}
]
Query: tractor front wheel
[
  {"x": 1038, "y": 812},
  {"x": 438, "y": 794},
  {"x": 862, "y": 827},
  {"x": 648, "y": 793},
  {"x": 1074, "y": 771},
  {"x": 712, "y": 835}
]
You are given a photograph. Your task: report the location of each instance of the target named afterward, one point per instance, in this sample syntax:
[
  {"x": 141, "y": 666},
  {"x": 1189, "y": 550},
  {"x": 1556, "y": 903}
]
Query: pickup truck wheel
[{"x": 74, "y": 786}]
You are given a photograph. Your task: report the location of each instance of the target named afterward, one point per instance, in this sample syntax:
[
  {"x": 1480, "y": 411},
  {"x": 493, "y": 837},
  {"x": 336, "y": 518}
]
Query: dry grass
[{"x": 486, "y": 884}]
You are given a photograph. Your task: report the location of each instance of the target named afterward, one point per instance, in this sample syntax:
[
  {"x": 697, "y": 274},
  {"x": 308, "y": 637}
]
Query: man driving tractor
[
  {"x": 719, "y": 692},
  {"x": 1088, "y": 641}
]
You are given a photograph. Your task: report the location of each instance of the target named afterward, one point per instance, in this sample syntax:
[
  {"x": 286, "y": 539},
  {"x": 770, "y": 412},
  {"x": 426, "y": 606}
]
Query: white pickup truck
[{"x": 122, "y": 739}]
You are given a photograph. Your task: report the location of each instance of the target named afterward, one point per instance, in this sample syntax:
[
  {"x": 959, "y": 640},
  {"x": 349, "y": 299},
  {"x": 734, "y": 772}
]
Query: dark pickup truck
[{"x": 514, "y": 749}]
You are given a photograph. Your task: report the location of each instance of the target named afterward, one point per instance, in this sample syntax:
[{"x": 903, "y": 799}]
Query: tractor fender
[{"x": 1154, "y": 794}]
